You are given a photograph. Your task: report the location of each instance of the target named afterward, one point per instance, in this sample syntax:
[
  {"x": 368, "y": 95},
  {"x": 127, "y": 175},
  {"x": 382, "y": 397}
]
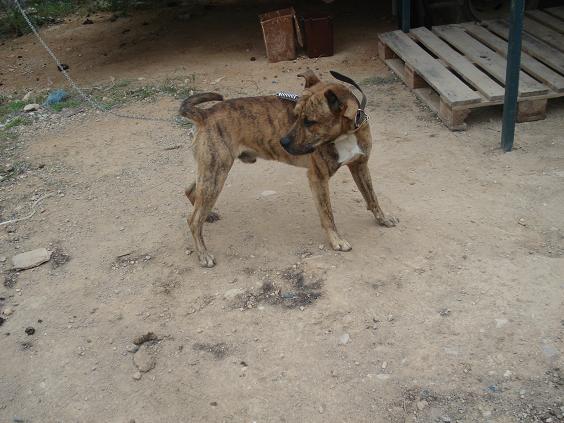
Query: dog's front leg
[
  {"x": 361, "y": 175},
  {"x": 319, "y": 185}
]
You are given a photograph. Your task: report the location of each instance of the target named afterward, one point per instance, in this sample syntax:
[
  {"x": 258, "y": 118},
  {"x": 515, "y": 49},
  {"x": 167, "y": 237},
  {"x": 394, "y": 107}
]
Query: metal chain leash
[{"x": 87, "y": 98}]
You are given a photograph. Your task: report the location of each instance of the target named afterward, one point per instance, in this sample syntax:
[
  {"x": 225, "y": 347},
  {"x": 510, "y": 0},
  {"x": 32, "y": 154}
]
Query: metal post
[
  {"x": 512, "y": 74},
  {"x": 405, "y": 15}
]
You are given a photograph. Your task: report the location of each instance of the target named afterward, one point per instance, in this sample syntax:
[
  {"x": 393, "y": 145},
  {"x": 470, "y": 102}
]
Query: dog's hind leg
[
  {"x": 319, "y": 184},
  {"x": 361, "y": 175},
  {"x": 211, "y": 177},
  {"x": 212, "y": 216}
]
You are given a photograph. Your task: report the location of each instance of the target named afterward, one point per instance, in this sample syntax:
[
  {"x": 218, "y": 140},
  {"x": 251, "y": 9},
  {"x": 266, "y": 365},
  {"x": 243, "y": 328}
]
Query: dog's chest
[{"x": 347, "y": 149}]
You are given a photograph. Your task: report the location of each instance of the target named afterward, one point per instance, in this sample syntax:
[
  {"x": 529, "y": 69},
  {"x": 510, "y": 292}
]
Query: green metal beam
[{"x": 512, "y": 74}]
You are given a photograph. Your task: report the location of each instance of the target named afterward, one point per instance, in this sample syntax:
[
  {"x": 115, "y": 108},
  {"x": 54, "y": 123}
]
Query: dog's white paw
[
  {"x": 340, "y": 244},
  {"x": 206, "y": 260},
  {"x": 388, "y": 221}
]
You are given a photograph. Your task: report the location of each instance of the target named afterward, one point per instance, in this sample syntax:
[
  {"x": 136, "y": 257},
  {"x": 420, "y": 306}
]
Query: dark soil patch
[
  {"x": 219, "y": 350},
  {"x": 291, "y": 291},
  {"x": 10, "y": 278},
  {"x": 488, "y": 405},
  {"x": 59, "y": 257}
]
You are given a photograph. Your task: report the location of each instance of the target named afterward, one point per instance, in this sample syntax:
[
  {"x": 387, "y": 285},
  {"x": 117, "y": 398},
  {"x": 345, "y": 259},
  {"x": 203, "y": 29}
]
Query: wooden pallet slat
[
  {"x": 488, "y": 59},
  {"x": 549, "y": 36},
  {"x": 550, "y": 21},
  {"x": 531, "y": 45},
  {"x": 456, "y": 68},
  {"x": 556, "y": 11},
  {"x": 528, "y": 63},
  {"x": 474, "y": 76},
  {"x": 451, "y": 89}
]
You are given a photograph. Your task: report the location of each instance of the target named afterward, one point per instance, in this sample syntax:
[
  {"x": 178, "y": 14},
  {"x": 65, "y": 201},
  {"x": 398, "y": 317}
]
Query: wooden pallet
[{"x": 456, "y": 68}]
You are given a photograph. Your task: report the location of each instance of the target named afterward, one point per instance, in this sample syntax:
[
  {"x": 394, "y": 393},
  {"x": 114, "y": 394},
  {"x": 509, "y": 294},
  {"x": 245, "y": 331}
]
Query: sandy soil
[{"x": 454, "y": 315}]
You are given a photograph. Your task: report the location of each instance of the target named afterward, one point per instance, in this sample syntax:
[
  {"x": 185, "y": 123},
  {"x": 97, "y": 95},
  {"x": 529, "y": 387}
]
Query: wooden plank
[
  {"x": 535, "y": 47},
  {"x": 488, "y": 59},
  {"x": 547, "y": 20},
  {"x": 549, "y": 36},
  {"x": 530, "y": 64},
  {"x": 454, "y": 91},
  {"x": 556, "y": 11},
  {"x": 474, "y": 76}
]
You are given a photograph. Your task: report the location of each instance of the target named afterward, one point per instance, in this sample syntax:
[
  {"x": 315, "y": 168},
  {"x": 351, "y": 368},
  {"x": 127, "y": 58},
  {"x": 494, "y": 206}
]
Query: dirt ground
[{"x": 455, "y": 315}]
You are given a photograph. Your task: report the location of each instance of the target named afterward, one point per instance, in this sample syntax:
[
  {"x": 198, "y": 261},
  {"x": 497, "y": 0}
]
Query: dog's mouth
[
  {"x": 297, "y": 150},
  {"x": 300, "y": 150}
]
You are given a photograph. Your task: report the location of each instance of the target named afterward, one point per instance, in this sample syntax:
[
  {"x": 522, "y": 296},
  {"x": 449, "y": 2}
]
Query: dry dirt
[{"x": 457, "y": 314}]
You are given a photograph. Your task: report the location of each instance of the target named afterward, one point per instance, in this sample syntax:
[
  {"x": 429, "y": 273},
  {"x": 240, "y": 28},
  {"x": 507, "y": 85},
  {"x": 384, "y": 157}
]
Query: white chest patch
[{"x": 347, "y": 148}]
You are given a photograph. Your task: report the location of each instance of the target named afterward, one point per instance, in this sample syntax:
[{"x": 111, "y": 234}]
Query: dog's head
[{"x": 323, "y": 112}]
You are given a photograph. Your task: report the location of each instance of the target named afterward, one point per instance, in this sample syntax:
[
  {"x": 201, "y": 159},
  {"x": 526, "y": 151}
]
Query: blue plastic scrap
[{"x": 56, "y": 97}]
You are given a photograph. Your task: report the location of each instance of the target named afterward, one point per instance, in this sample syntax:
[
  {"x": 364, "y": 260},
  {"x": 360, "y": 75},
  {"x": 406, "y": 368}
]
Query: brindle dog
[{"x": 317, "y": 132}]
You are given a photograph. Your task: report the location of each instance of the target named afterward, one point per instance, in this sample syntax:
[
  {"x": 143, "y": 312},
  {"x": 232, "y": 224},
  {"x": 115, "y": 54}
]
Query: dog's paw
[
  {"x": 340, "y": 244},
  {"x": 388, "y": 221},
  {"x": 206, "y": 260},
  {"x": 213, "y": 217}
]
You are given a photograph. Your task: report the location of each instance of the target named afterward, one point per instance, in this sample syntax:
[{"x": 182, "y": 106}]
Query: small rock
[
  {"x": 384, "y": 365},
  {"x": 522, "y": 222},
  {"x": 18, "y": 420},
  {"x": 550, "y": 351},
  {"x": 87, "y": 21},
  {"x": 444, "y": 312},
  {"x": 344, "y": 339},
  {"x": 30, "y": 330},
  {"x": 267, "y": 193},
  {"x": 7, "y": 311},
  {"x": 499, "y": 323},
  {"x": 30, "y": 259},
  {"x": 31, "y": 107},
  {"x": 27, "y": 96},
  {"x": 446, "y": 419},
  {"x": 144, "y": 360},
  {"x": 132, "y": 348},
  {"x": 253, "y": 58},
  {"x": 136, "y": 375},
  {"x": 141, "y": 339},
  {"x": 421, "y": 405},
  {"x": 3, "y": 259},
  {"x": 507, "y": 373},
  {"x": 231, "y": 294}
]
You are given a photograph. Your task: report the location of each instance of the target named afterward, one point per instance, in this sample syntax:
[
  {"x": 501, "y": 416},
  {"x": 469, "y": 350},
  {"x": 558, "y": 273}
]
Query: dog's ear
[
  {"x": 310, "y": 78},
  {"x": 336, "y": 105}
]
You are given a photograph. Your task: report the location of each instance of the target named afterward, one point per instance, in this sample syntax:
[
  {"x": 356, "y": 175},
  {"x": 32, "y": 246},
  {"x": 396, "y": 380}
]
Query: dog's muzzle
[{"x": 287, "y": 144}]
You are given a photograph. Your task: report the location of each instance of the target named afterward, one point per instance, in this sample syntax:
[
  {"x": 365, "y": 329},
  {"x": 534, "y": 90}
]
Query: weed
[
  {"x": 15, "y": 170},
  {"x": 9, "y": 108},
  {"x": 66, "y": 104},
  {"x": 380, "y": 80},
  {"x": 17, "y": 121},
  {"x": 40, "y": 12}
]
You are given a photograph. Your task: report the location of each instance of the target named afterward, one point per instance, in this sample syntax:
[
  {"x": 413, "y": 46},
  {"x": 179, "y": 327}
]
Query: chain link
[{"x": 88, "y": 99}]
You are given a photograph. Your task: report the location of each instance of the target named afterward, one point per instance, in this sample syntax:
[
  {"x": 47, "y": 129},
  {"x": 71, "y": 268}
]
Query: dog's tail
[{"x": 189, "y": 110}]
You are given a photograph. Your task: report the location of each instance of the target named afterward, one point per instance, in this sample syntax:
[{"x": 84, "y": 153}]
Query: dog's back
[{"x": 250, "y": 126}]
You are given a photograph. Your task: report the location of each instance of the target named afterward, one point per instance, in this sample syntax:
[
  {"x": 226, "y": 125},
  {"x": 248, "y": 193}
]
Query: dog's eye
[{"x": 308, "y": 123}]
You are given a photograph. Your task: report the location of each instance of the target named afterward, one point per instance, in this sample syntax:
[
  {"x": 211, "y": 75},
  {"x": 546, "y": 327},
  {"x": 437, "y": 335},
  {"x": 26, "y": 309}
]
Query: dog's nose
[{"x": 286, "y": 141}]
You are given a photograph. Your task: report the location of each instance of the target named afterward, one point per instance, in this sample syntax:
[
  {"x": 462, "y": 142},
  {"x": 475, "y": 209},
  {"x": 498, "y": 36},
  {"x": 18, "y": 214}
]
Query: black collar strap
[{"x": 361, "y": 116}]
